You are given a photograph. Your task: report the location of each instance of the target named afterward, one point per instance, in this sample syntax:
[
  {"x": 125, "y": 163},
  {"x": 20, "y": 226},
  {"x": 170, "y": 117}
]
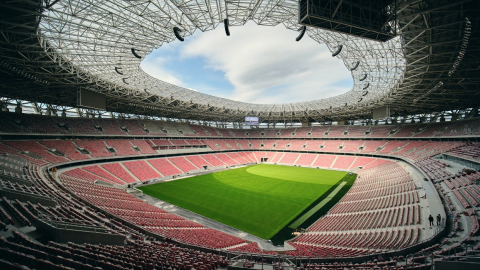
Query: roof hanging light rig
[
  {"x": 355, "y": 66},
  {"x": 227, "y": 30},
  {"x": 135, "y": 54},
  {"x": 337, "y": 52},
  {"x": 302, "y": 30},
  {"x": 117, "y": 69},
  {"x": 177, "y": 31}
]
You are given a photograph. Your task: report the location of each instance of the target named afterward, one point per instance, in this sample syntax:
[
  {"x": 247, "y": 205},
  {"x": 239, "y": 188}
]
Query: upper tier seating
[
  {"x": 287, "y": 133},
  {"x": 14, "y": 153},
  {"x": 133, "y": 127},
  {"x": 381, "y": 131},
  {"x": 337, "y": 131},
  {"x": 198, "y": 130},
  {"x": 29, "y": 123},
  {"x": 179, "y": 142},
  {"x": 297, "y": 145},
  {"x": 211, "y": 144},
  {"x": 357, "y": 131},
  {"x": 226, "y": 133},
  {"x": 122, "y": 147},
  {"x": 232, "y": 143},
  {"x": 331, "y": 146},
  {"x": 155, "y": 127},
  {"x": 256, "y": 144},
  {"x": 462, "y": 128},
  {"x": 244, "y": 144},
  {"x": 109, "y": 126},
  {"x": 352, "y": 146},
  {"x": 314, "y": 145},
  {"x": 282, "y": 144},
  {"x": 372, "y": 146},
  {"x": 433, "y": 129},
  {"x": 79, "y": 125},
  {"x": 392, "y": 146},
  {"x": 66, "y": 147},
  {"x": 409, "y": 130},
  {"x": 268, "y": 144},
  {"x": 194, "y": 142},
  {"x": 212, "y": 131},
  {"x": 319, "y": 132},
  {"x": 255, "y": 133},
  {"x": 8, "y": 125},
  {"x": 36, "y": 148},
  {"x": 302, "y": 132},
  {"x": 162, "y": 142},
  {"x": 223, "y": 145},
  {"x": 145, "y": 148},
  {"x": 96, "y": 148}
]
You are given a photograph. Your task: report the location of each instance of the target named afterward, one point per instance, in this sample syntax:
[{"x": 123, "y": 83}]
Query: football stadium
[{"x": 105, "y": 166}]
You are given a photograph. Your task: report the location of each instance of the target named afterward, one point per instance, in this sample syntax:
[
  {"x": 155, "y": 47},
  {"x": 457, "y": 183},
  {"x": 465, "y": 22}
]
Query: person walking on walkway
[
  {"x": 439, "y": 219},
  {"x": 430, "y": 218}
]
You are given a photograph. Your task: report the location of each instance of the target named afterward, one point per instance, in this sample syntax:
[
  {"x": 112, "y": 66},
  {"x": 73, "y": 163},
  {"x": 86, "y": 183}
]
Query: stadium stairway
[{"x": 129, "y": 172}]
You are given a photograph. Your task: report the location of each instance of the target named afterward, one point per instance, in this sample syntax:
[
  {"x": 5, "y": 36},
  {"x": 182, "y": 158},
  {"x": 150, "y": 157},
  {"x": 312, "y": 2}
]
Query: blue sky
[{"x": 256, "y": 64}]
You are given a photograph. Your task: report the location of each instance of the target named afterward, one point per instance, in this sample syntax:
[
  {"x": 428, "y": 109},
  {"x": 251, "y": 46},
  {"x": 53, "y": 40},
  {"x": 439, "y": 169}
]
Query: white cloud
[
  {"x": 157, "y": 69},
  {"x": 267, "y": 65}
]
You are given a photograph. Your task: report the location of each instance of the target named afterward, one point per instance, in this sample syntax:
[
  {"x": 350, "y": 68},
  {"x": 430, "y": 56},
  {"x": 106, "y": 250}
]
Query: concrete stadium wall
[
  {"x": 79, "y": 235},
  {"x": 24, "y": 197}
]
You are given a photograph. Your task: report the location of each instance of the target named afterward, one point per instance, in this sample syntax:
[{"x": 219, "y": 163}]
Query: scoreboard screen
[{"x": 251, "y": 120}]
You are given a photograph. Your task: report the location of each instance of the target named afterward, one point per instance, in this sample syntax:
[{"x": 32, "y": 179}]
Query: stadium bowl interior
[{"x": 86, "y": 134}]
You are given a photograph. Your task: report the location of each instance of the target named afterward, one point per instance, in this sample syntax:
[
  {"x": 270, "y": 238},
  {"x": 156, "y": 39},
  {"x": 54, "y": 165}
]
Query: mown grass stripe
[{"x": 317, "y": 207}]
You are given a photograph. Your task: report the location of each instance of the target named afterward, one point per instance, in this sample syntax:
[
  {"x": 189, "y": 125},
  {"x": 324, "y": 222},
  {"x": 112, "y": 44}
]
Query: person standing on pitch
[
  {"x": 430, "y": 218},
  {"x": 439, "y": 219}
]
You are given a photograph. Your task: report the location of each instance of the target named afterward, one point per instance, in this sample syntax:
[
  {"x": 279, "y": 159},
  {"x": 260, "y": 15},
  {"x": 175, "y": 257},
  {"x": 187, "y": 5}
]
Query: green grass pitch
[{"x": 259, "y": 199}]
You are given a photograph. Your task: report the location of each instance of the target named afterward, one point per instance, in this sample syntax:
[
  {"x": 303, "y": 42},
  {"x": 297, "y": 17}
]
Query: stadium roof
[{"x": 50, "y": 49}]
